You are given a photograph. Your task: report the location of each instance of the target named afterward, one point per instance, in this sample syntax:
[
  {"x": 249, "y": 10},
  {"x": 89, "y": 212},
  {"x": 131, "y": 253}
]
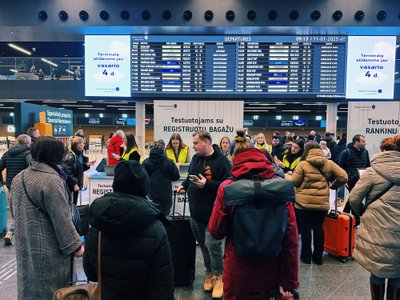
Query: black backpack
[{"x": 260, "y": 217}]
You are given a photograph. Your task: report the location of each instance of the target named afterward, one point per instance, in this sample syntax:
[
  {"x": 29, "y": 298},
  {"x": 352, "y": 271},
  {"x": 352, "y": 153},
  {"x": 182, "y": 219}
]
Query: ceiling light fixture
[
  {"x": 337, "y": 15},
  {"x": 146, "y": 15},
  {"x": 42, "y": 15},
  {"x": 230, "y": 15},
  {"x": 294, "y": 15},
  {"x": 272, "y": 15},
  {"x": 125, "y": 15},
  {"x": 315, "y": 15},
  {"x": 208, "y": 15},
  {"x": 104, "y": 15},
  {"x": 83, "y": 15},
  {"x": 69, "y": 71},
  {"x": 14, "y": 71},
  {"x": 166, "y": 14},
  {"x": 359, "y": 15},
  {"x": 63, "y": 15},
  {"x": 381, "y": 15},
  {"x": 251, "y": 15},
  {"x": 20, "y": 49},
  {"x": 187, "y": 15},
  {"x": 49, "y": 62}
]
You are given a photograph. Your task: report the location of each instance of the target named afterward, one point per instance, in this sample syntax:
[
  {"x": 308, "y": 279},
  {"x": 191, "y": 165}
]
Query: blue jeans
[
  {"x": 395, "y": 282},
  {"x": 210, "y": 248},
  {"x": 340, "y": 192}
]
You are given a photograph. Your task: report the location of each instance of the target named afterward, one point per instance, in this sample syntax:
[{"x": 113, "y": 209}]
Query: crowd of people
[{"x": 44, "y": 179}]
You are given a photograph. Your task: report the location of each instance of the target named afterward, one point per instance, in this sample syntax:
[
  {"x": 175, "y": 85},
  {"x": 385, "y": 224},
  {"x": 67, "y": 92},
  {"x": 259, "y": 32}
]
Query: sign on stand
[
  {"x": 180, "y": 200},
  {"x": 99, "y": 185}
]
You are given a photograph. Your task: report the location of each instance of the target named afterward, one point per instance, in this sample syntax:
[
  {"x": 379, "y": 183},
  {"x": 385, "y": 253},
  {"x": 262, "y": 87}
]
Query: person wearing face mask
[
  {"x": 353, "y": 158},
  {"x": 177, "y": 150}
]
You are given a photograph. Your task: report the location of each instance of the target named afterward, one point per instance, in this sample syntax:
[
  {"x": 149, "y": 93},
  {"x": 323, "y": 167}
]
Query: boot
[
  {"x": 392, "y": 293},
  {"x": 8, "y": 238},
  {"x": 218, "y": 290},
  {"x": 377, "y": 291},
  {"x": 208, "y": 282}
]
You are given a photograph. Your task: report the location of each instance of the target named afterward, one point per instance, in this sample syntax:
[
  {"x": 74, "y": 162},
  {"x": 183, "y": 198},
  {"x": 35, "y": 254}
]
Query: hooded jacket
[
  {"x": 162, "y": 171},
  {"x": 241, "y": 276},
  {"x": 338, "y": 149},
  {"x": 311, "y": 179},
  {"x": 136, "y": 257},
  {"x": 215, "y": 168},
  {"x": 16, "y": 159},
  {"x": 377, "y": 246}
]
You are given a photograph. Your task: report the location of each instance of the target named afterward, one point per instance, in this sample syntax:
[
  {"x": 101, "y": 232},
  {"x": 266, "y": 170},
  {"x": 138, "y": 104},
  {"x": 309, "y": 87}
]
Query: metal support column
[{"x": 331, "y": 115}]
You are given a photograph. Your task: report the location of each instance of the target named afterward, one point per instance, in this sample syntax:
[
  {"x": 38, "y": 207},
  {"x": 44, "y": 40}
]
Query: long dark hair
[
  {"x": 290, "y": 156},
  {"x": 130, "y": 141},
  {"x": 175, "y": 136},
  {"x": 307, "y": 147}
]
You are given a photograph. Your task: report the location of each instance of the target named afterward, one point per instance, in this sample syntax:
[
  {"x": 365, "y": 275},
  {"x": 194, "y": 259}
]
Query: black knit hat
[{"x": 130, "y": 177}]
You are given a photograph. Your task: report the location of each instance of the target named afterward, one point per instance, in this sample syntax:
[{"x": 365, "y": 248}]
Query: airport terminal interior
[{"x": 157, "y": 67}]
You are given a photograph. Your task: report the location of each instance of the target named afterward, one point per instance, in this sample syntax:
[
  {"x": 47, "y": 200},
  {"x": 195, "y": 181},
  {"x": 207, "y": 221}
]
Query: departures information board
[{"x": 260, "y": 66}]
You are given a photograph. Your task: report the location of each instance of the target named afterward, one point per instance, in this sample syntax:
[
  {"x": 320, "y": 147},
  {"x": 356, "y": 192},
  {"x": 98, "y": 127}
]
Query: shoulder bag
[{"x": 88, "y": 291}]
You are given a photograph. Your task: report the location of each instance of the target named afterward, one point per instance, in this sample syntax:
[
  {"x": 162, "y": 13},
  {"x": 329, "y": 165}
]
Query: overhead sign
[
  {"x": 219, "y": 118},
  {"x": 107, "y": 66},
  {"x": 370, "y": 67},
  {"x": 374, "y": 120}
]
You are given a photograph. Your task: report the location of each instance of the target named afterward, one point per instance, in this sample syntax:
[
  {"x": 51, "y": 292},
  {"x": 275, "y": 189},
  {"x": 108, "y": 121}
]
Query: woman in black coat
[
  {"x": 136, "y": 257},
  {"x": 74, "y": 164},
  {"x": 162, "y": 172}
]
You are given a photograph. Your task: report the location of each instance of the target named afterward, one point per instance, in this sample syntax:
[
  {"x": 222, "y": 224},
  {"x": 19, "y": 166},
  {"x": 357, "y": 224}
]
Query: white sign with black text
[{"x": 219, "y": 118}]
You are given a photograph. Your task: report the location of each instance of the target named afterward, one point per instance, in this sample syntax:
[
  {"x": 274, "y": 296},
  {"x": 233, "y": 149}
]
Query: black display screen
[{"x": 260, "y": 66}]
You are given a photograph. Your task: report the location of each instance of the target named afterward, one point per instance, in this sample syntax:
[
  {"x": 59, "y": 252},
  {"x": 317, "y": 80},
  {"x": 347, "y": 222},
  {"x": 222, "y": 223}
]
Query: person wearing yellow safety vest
[
  {"x": 131, "y": 151},
  {"x": 291, "y": 157},
  {"x": 261, "y": 143},
  {"x": 176, "y": 150}
]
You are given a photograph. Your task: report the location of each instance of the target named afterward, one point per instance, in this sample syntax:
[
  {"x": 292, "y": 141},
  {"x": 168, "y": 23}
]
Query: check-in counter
[{"x": 101, "y": 184}]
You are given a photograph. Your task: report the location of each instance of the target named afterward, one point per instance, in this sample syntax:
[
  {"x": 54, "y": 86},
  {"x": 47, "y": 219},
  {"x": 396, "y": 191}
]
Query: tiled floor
[{"x": 333, "y": 280}]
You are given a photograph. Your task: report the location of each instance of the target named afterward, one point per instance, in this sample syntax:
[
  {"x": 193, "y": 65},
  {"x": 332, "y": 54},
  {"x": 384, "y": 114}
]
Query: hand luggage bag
[
  {"x": 3, "y": 211},
  {"x": 339, "y": 230},
  {"x": 183, "y": 247}
]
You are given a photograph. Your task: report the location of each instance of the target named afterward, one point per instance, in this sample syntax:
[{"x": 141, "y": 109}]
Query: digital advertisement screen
[
  {"x": 108, "y": 66},
  {"x": 260, "y": 66},
  {"x": 371, "y": 67}
]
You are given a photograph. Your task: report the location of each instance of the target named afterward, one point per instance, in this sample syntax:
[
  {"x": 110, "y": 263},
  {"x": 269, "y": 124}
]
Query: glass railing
[{"x": 64, "y": 68}]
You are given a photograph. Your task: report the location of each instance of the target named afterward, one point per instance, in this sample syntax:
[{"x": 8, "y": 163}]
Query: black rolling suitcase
[{"x": 183, "y": 247}]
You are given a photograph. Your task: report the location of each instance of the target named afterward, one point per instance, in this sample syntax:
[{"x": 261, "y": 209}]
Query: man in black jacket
[
  {"x": 353, "y": 158},
  {"x": 276, "y": 148},
  {"x": 208, "y": 168},
  {"x": 16, "y": 159}
]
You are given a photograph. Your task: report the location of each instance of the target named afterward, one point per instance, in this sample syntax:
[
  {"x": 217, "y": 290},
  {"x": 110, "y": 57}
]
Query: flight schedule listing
[{"x": 276, "y": 66}]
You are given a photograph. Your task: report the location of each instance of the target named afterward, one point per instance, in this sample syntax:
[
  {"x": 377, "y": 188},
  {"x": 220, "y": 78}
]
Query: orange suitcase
[{"x": 339, "y": 230}]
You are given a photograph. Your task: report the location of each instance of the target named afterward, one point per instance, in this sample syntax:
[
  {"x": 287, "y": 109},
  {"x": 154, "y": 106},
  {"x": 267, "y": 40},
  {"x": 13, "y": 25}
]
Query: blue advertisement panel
[
  {"x": 371, "y": 67},
  {"x": 26, "y": 115},
  {"x": 108, "y": 66}
]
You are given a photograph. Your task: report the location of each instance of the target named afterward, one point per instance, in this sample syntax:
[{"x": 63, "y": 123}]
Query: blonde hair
[{"x": 241, "y": 142}]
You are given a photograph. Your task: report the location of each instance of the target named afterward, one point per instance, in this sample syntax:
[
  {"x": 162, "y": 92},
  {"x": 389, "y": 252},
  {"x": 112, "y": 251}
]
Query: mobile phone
[
  {"x": 194, "y": 178},
  {"x": 114, "y": 155}
]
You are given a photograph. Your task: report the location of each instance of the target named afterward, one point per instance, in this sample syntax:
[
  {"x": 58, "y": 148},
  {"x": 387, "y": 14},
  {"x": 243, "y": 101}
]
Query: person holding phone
[
  {"x": 208, "y": 168},
  {"x": 74, "y": 164}
]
